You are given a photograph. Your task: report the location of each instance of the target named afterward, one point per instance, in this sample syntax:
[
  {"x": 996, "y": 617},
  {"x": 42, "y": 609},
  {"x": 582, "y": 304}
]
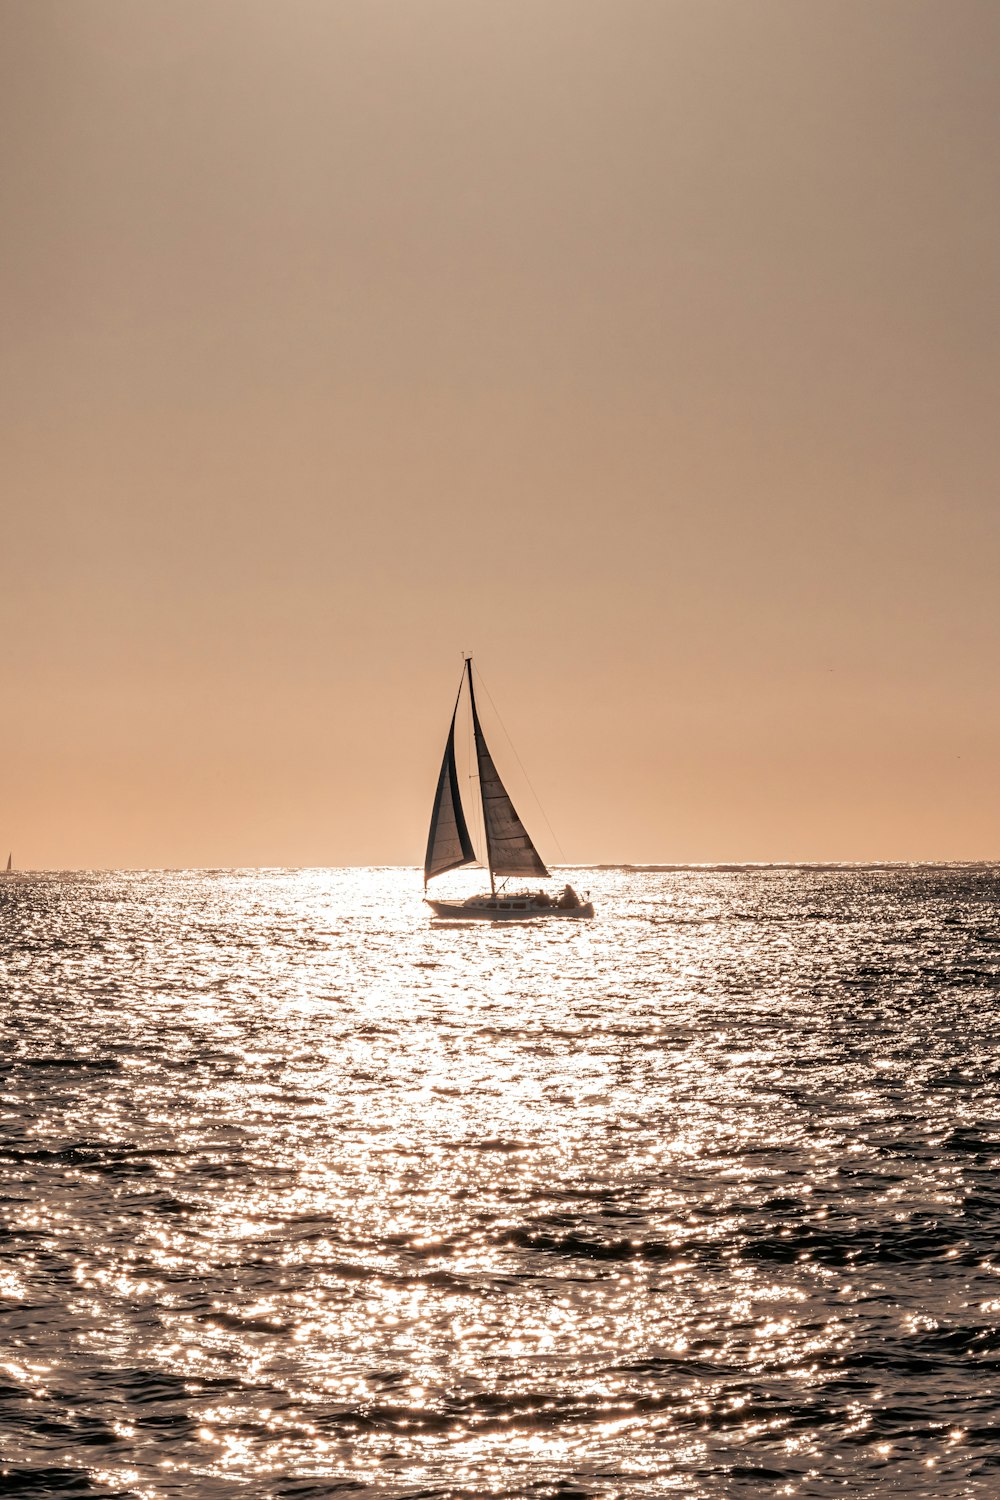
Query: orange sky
[{"x": 647, "y": 348}]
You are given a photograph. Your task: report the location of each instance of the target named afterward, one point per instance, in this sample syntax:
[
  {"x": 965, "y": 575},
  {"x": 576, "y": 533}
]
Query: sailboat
[
  {"x": 10, "y": 866},
  {"x": 509, "y": 849}
]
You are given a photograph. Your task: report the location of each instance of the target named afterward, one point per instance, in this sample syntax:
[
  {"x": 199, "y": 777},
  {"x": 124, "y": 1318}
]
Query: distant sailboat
[
  {"x": 509, "y": 849},
  {"x": 9, "y": 864}
]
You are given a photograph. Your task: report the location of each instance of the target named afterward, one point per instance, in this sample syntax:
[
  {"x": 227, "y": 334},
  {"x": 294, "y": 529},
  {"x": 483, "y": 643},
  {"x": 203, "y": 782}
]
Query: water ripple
[{"x": 302, "y": 1195}]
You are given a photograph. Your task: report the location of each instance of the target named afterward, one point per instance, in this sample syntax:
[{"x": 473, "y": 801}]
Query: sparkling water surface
[{"x": 302, "y": 1194}]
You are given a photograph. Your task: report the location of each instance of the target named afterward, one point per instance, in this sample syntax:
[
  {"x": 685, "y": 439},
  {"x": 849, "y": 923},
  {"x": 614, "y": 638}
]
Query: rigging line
[{"x": 541, "y": 809}]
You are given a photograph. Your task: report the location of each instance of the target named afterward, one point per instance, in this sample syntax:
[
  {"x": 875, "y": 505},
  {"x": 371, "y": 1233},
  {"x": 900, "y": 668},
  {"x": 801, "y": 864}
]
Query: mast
[{"x": 479, "y": 740}]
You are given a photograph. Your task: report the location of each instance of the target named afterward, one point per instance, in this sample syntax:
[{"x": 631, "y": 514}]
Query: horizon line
[{"x": 695, "y": 866}]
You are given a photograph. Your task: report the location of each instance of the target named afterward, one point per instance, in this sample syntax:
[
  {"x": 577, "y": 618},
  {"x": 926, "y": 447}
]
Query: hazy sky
[{"x": 647, "y": 348}]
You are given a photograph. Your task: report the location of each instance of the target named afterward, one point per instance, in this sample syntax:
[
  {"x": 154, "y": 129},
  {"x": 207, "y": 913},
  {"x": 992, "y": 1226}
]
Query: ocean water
[{"x": 302, "y": 1194}]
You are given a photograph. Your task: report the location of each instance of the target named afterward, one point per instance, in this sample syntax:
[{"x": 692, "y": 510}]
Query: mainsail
[
  {"x": 448, "y": 842},
  {"x": 509, "y": 849}
]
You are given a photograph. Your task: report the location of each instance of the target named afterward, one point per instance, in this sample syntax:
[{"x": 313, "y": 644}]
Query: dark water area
[{"x": 302, "y": 1194}]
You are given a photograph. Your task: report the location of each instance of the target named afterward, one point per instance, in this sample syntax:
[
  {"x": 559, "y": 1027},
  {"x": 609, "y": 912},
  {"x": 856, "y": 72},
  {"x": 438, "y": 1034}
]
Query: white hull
[{"x": 507, "y": 908}]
